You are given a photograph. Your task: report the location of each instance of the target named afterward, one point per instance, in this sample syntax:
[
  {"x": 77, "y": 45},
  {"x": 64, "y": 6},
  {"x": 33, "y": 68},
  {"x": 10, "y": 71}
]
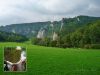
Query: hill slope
[
  {"x": 65, "y": 26},
  {"x": 86, "y": 36},
  {"x": 89, "y": 34}
]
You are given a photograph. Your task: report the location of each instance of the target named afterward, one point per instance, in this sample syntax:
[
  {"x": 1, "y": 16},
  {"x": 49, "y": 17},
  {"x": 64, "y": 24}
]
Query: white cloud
[{"x": 21, "y": 11}]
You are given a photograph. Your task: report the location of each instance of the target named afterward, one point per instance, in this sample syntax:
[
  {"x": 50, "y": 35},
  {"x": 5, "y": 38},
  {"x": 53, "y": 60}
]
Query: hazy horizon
[{"x": 28, "y": 11}]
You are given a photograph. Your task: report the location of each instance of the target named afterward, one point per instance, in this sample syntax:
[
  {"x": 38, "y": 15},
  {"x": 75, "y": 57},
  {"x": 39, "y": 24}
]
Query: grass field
[{"x": 56, "y": 61}]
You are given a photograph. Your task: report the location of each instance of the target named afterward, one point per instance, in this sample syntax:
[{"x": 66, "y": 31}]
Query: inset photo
[{"x": 15, "y": 59}]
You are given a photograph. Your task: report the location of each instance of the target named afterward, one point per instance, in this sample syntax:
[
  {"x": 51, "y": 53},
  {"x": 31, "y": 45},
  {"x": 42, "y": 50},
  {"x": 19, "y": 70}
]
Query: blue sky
[{"x": 25, "y": 11}]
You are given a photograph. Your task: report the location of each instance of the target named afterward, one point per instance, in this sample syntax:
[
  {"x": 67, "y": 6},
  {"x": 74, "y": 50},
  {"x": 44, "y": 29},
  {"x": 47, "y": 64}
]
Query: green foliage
[
  {"x": 95, "y": 46},
  {"x": 43, "y": 42},
  {"x": 31, "y": 29},
  {"x": 92, "y": 46},
  {"x": 85, "y": 36},
  {"x": 11, "y": 37},
  {"x": 72, "y": 24}
]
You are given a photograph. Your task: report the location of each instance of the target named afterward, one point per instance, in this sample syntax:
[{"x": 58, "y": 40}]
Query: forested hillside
[
  {"x": 63, "y": 27},
  {"x": 11, "y": 37},
  {"x": 87, "y": 36},
  {"x": 80, "y": 31}
]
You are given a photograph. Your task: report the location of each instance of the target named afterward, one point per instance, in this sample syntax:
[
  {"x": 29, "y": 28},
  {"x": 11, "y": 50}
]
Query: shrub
[
  {"x": 95, "y": 46},
  {"x": 87, "y": 46},
  {"x": 92, "y": 46}
]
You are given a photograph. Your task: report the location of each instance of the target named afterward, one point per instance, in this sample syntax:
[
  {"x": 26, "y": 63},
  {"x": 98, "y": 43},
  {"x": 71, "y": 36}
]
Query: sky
[{"x": 26, "y": 11}]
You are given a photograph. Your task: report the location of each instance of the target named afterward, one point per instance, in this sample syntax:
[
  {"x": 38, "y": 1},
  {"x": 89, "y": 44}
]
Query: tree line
[
  {"x": 87, "y": 36},
  {"x": 11, "y": 37}
]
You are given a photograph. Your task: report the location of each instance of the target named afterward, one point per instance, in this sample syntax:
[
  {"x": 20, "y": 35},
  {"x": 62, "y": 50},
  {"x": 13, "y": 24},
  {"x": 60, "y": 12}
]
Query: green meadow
[{"x": 56, "y": 61}]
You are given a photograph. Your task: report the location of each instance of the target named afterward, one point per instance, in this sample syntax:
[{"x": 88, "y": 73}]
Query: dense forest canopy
[
  {"x": 87, "y": 36},
  {"x": 11, "y": 37}
]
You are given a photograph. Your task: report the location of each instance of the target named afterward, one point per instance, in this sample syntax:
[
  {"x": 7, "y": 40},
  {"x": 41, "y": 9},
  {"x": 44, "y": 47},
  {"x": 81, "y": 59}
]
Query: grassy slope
[{"x": 56, "y": 61}]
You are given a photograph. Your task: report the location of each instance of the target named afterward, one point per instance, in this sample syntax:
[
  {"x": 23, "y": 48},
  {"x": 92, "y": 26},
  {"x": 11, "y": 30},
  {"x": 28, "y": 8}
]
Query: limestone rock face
[
  {"x": 40, "y": 34},
  {"x": 55, "y": 36}
]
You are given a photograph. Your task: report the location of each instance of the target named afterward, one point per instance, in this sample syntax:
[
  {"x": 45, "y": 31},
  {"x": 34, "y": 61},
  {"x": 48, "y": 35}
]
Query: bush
[
  {"x": 95, "y": 46},
  {"x": 87, "y": 46},
  {"x": 92, "y": 46}
]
